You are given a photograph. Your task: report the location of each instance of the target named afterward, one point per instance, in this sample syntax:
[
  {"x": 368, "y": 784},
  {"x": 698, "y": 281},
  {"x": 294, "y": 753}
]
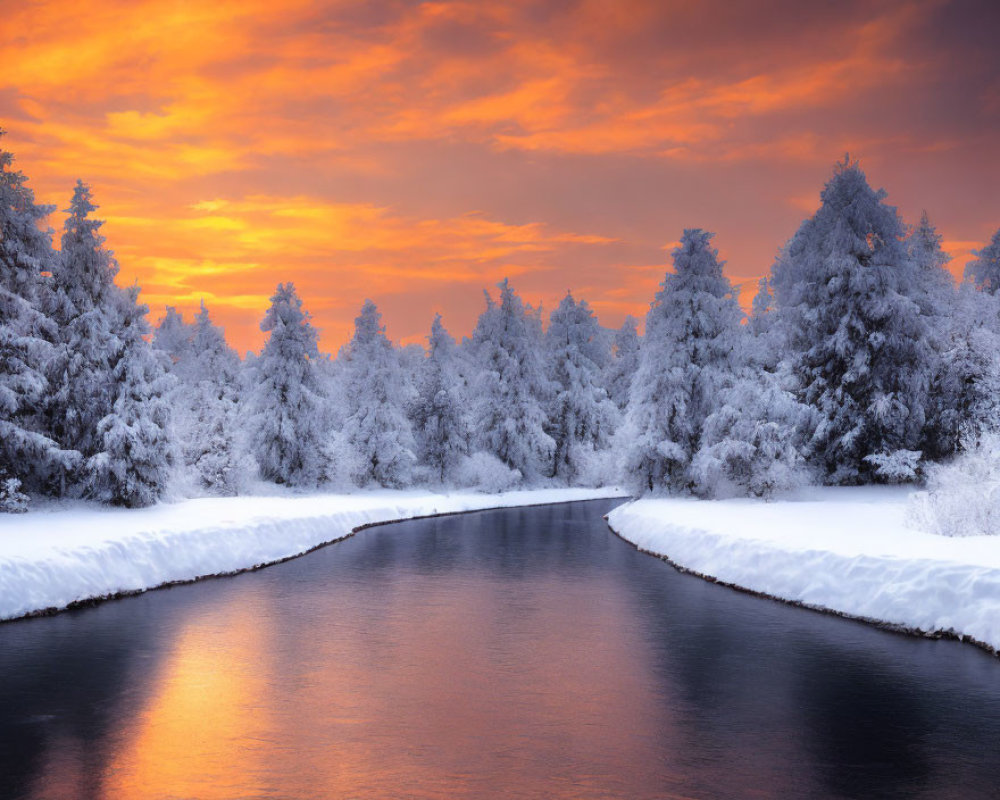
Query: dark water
[{"x": 520, "y": 653}]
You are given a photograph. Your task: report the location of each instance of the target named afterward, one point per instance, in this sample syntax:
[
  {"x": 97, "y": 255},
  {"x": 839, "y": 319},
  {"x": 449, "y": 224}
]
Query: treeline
[{"x": 861, "y": 361}]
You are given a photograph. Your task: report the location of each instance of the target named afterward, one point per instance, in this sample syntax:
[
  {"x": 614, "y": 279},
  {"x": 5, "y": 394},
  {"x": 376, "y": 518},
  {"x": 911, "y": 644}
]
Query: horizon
[{"x": 418, "y": 153}]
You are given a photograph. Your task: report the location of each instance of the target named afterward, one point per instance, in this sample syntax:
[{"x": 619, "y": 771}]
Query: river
[{"x": 516, "y": 653}]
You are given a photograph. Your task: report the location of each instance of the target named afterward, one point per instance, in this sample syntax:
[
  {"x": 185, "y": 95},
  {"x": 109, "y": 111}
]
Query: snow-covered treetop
[
  {"x": 984, "y": 271},
  {"x": 25, "y": 246},
  {"x": 286, "y": 320}
]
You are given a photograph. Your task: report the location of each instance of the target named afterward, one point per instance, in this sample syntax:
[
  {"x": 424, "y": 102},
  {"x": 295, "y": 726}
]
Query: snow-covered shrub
[
  {"x": 595, "y": 467},
  {"x": 962, "y": 496},
  {"x": 12, "y": 499},
  {"x": 748, "y": 445},
  {"x": 899, "y": 466},
  {"x": 486, "y": 472}
]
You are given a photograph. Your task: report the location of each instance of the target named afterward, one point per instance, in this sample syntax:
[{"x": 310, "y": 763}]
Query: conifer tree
[
  {"x": 846, "y": 290},
  {"x": 378, "y": 394},
  {"x": 511, "y": 388},
  {"x": 625, "y": 362},
  {"x": 687, "y": 359},
  {"x": 582, "y": 418},
  {"x": 134, "y": 458},
  {"x": 206, "y": 403},
  {"x": 984, "y": 269},
  {"x": 28, "y": 457},
  {"x": 287, "y": 403},
  {"x": 440, "y": 420},
  {"x": 83, "y": 303}
]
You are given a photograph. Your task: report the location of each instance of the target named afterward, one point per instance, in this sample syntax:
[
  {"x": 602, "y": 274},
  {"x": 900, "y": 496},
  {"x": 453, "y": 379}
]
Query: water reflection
[{"x": 526, "y": 653}]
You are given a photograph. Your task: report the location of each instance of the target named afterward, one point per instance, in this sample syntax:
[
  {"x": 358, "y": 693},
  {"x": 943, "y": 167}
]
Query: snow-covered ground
[
  {"x": 60, "y": 554},
  {"x": 847, "y": 550}
]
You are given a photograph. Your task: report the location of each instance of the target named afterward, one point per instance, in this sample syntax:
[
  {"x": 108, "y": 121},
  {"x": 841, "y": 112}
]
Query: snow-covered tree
[
  {"x": 624, "y": 363},
  {"x": 511, "y": 389},
  {"x": 938, "y": 301},
  {"x": 134, "y": 458},
  {"x": 286, "y": 400},
  {"x": 966, "y": 397},
  {"x": 207, "y": 408},
  {"x": 934, "y": 285},
  {"x": 984, "y": 269},
  {"x": 582, "y": 417},
  {"x": 688, "y": 358},
  {"x": 439, "y": 411},
  {"x": 173, "y": 337},
  {"x": 378, "y": 393},
  {"x": 749, "y": 443},
  {"x": 85, "y": 305},
  {"x": 28, "y": 457},
  {"x": 852, "y": 330}
]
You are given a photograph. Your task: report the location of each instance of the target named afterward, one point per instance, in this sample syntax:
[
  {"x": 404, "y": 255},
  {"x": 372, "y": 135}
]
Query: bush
[
  {"x": 962, "y": 496},
  {"x": 487, "y": 473}
]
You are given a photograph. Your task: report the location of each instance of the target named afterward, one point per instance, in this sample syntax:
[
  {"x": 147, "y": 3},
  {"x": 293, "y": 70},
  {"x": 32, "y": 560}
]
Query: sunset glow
[{"x": 416, "y": 153}]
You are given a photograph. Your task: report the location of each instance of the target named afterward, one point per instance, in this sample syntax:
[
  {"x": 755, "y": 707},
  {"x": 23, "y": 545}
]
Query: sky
[{"x": 415, "y": 153}]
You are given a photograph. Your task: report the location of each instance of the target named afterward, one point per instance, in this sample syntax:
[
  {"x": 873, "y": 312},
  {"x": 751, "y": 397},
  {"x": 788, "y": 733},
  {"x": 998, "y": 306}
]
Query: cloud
[{"x": 419, "y": 149}]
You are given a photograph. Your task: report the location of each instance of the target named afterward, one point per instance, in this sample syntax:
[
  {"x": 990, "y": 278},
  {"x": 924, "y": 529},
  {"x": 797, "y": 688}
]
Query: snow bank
[
  {"x": 57, "y": 556},
  {"x": 846, "y": 550}
]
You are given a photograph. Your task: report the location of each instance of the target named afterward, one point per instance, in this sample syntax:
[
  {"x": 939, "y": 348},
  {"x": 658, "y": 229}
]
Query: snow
[
  {"x": 63, "y": 554},
  {"x": 846, "y": 550}
]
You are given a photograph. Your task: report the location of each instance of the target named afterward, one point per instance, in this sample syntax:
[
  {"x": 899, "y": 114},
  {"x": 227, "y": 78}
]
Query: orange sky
[{"x": 416, "y": 153}]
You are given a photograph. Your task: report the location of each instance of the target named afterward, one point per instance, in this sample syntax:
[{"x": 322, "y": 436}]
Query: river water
[{"x": 516, "y": 653}]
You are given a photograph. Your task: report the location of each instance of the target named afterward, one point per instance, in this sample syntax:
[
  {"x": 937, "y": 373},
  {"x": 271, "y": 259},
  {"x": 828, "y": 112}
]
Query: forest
[{"x": 861, "y": 361}]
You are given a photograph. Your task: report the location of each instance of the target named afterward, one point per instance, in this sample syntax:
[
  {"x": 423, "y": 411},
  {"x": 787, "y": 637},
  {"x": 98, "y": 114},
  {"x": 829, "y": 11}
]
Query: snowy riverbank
[
  {"x": 59, "y": 555},
  {"x": 843, "y": 550}
]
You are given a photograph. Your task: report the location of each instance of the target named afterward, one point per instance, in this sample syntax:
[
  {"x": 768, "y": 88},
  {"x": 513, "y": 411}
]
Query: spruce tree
[
  {"x": 511, "y": 388},
  {"x": 134, "y": 458},
  {"x": 28, "y": 457},
  {"x": 984, "y": 269},
  {"x": 624, "y": 363},
  {"x": 378, "y": 394},
  {"x": 688, "y": 358},
  {"x": 582, "y": 418},
  {"x": 83, "y": 303},
  {"x": 439, "y": 412},
  {"x": 287, "y": 403},
  {"x": 846, "y": 291}
]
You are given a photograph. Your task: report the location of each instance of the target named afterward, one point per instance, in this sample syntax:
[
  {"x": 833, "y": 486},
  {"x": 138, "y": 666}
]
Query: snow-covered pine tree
[
  {"x": 938, "y": 301},
  {"x": 378, "y": 394},
  {"x": 134, "y": 458},
  {"x": 173, "y": 337},
  {"x": 439, "y": 412},
  {"x": 84, "y": 304},
  {"x": 286, "y": 400},
  {"x": 208, "y": 401},
  {"x": 750, "y": 444},
  {"x": 624, "y": 363},
  {"x": 28, "y": 457},
  {"x": 688, "y": 358},
  {"x": 984, "y": 269},
  {"x": 967, "y": 389},
  {"x": 511, "y": 389},
  {"x": 935, "y": 287},
  {"x": 582, "y": 418},
  {"x": 852, "y": 330}
]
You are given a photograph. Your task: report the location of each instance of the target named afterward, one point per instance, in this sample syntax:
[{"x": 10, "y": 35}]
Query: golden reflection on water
[{"x": 474, "y": 695}]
